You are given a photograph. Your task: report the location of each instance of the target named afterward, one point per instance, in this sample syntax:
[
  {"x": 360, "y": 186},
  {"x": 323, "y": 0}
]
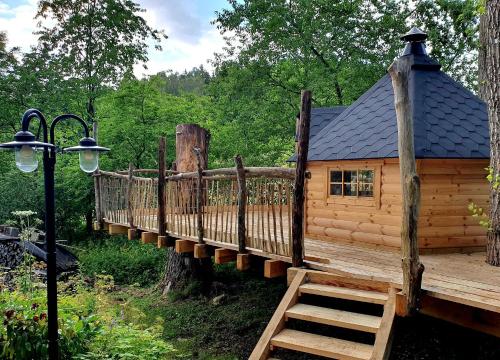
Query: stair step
[
  {"x": 322, "y": 345},
  {"x": 334, "y": 317},
  {"x": 373, "y": 297}
]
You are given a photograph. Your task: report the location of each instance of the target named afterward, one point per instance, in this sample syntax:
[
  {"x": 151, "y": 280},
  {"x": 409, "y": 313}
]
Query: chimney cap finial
[{"x": 414, "y": 35}]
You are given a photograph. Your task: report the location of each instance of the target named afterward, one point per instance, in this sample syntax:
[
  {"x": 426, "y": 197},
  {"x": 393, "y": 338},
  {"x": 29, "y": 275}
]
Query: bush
[
  {"x": 91, "y": 327},
  {"x": 24, "y": 331},
  {"x": 129, "y": 262},
  {"x": 128, "y": 342}
]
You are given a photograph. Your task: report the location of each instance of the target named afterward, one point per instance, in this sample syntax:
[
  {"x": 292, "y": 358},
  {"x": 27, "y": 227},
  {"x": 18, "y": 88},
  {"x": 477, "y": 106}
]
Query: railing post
[
  {"x": 98, "y": 206},
  {"x": 199, "y": 195},
  {"x": 161, "y": 187},
  {"x": 300, "y": 177},
  {"x": 410, "y": 183},
  {"x": 130, "y": 184},
  {"x": 242, "y": 202}
]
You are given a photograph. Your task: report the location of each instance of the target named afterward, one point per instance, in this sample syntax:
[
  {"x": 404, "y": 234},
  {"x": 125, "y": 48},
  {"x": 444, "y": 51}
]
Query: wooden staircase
[{"x": 346, "y": 290}]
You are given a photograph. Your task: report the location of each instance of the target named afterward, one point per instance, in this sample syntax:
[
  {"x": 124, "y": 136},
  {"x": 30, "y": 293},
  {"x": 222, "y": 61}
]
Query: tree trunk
[
  {"x": 410, "y": 183},
  {"x": 300, "y": 179},
  {"x": 482, "y": 58},
  {"x": 180, "y": 269},
  {"x": 162, "y": 152},
  {"x": 491, "y": 29}
]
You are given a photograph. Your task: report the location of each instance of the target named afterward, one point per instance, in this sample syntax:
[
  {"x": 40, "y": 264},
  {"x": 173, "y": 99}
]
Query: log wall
[{"x": 448, "y": 186}]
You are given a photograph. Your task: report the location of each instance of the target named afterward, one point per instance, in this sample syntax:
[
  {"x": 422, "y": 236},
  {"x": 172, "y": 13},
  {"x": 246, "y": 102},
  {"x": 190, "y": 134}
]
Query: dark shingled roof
[
  {"x": 449, "y": 120},
  {"x": 320, "y": 117}
]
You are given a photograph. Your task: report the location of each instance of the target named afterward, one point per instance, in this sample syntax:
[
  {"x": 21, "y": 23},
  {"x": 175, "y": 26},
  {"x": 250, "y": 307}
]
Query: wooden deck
[{"x": 461, "y": 278}]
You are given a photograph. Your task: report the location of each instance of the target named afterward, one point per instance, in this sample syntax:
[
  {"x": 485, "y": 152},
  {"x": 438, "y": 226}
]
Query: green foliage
[
  {"x": 202, "y": 330},
  {"x": 145, "y": 110},
  {"x": 453, "y": 29},
  {"x": 477, "y": 211},
  {"x": 91, "y": 326},
  {"x": 128, "y": 262},
  {"x": 24, "y": 331},
  {"x": 95, "y": 42},
  {"x": 128, "y": 342},
  {"x": 493, "y": 178}
]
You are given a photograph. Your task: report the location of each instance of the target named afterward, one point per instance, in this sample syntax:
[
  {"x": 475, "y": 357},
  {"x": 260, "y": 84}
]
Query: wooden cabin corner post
[
  {"x": 242, "y": 202},
  {"x": 162, "y": 148},
  {"x": 410, "y": 183},
  {"x": 199, "y": 196},
  {"x": 300, "y": 178}
]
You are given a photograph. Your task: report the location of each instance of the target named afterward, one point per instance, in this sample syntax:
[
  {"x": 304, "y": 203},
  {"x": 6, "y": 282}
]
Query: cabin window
[{"x": 355, "y": 183}]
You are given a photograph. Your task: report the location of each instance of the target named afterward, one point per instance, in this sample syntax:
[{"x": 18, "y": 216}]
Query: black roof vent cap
[{"x": 415, "y": 39}]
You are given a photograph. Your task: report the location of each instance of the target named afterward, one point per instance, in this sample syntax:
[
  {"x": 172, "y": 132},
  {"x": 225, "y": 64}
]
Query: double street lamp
[{"x": 25, "y": 146}]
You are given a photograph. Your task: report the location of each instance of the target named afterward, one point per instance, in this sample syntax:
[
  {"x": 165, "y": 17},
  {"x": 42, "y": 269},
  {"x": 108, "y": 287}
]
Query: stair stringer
[
  {"x": 383, "y": 338},
  {"x": 277, "y": 322}
]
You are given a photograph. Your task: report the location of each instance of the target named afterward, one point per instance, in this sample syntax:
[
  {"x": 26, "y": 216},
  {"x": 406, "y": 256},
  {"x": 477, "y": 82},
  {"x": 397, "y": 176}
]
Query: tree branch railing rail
[{"x": 130, "y": 200}]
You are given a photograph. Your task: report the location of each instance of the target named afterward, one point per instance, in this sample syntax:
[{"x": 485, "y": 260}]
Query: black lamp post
[{"x": 25, "y": 146}]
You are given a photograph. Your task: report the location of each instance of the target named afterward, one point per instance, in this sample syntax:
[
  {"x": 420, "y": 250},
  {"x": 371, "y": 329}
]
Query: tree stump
[{"x": 180, "y": 269}]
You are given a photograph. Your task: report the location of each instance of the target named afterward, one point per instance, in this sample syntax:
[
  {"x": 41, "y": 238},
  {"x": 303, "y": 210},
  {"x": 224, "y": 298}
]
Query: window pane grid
[{"x": 351, "y": 183}]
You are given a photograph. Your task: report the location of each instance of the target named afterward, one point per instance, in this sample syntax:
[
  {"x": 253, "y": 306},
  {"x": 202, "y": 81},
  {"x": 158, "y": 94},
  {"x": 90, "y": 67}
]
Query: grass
[
  {"x": 129, "y": 262},
  {"x": 200, "y": 329}
]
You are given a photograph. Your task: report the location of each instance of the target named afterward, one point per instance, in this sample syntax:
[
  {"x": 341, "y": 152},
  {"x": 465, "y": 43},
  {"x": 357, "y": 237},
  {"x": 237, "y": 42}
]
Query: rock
[
  {"x": 219, "y": 300},
  {"x": 217, "y": 288}
]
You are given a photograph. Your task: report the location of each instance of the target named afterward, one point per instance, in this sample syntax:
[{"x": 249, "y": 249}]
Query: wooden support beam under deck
[
  {"x": 184, "y": 246},
  {"x": 243, "y": 262},
  {"x": 115, "y": 229},
  {"x": 274, "y": 268},
  {"x": 201, "y": 251},
  {"x": 470, "y": 317},
  {"x": 223, "y": 256},
  {"x": 133, "y": 234},
  {"x": 165, "y": 241},
  {"x": 149, "y": 237}
]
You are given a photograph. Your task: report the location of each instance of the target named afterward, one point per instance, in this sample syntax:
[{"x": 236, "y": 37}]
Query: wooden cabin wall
[
  {"x": 447, "y": 189},
  {"x": 376, "y": 223},
  {"x": 448, "y": 186}
]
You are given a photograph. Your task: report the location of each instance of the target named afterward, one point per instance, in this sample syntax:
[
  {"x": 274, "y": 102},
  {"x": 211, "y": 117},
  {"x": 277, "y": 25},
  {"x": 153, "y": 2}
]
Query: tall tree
[
  {"x": 95, "y": 41},
  {"x": 338, "y": 49},
  {"x": 491, "y": 37}
]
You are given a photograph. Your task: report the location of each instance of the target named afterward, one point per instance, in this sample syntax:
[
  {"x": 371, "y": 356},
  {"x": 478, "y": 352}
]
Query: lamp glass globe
[
  {"x": 26, "y": 159},
  {"x": 89, "y": 160}
]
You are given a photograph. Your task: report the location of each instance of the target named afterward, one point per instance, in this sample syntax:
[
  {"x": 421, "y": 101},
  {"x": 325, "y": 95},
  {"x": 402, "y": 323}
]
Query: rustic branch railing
[{"x": 267, "y": 214}]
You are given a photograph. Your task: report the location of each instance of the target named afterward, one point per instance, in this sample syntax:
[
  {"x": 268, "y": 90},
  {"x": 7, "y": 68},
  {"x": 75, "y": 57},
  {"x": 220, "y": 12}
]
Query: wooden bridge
[{"x": 132, "y": 202}]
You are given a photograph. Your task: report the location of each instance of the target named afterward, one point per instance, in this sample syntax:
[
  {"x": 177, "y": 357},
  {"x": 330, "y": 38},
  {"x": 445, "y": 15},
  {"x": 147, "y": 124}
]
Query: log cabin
[{"x": 354, "y": 193}]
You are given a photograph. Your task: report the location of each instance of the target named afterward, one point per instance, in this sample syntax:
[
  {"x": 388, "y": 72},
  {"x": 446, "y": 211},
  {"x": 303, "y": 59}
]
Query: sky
[{"x": 192, "y": 39}]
